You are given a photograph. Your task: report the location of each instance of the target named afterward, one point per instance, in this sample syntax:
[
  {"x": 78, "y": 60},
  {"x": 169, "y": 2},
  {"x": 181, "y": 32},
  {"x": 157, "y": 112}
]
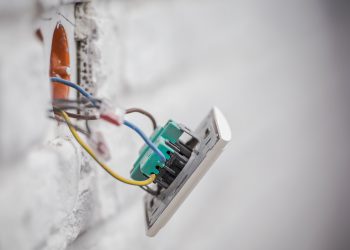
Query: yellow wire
[{"x": 104, "y": 166}]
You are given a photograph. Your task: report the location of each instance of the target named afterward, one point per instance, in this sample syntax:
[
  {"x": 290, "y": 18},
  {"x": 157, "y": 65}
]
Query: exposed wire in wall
[{"x": 101, "y": 110}]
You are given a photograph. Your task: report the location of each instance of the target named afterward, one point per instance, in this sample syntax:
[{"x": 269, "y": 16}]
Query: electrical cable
[
  {"x": 154, "y": 123},
  {"x": 78, "y": 101},
  {"x": 138, "y": 131},
  {"x": 76, "y": 116},
  {"x": 72, "y": 106},
  {"x": 77, "y": 87},
  {"x": 146, "y": 139},
  {"x": 144, "y": 112},
  {"x": 81, "y": 103},
  {"x": 109, "y": 118},
  {"x": 104, "y": 166},
  {"x": 83, "y": 117}
]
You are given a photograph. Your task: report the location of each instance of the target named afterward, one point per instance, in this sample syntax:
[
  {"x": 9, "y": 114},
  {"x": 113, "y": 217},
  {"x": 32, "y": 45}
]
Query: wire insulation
[
  {"x": 146, "y": 139},
  {"x": 104, "y": 166},
  {"x": 113, "y": 121},
  {"x": 76, "y": 116},
  {"x": 77, "y": 87},
  {"x": 109, "y": 118},
  {"x": 144, "y": 112}
]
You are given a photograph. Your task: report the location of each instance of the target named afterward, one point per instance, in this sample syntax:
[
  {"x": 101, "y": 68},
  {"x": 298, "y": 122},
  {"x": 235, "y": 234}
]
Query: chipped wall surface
[{"x": 277, "y": 70}]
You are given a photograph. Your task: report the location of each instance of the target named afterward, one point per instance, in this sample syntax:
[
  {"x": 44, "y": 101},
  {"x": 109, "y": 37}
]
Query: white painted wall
[{"x": 279, "y": 71}]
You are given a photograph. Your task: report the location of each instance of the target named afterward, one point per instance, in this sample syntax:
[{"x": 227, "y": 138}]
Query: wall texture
[{"x": 279, "y": 71}]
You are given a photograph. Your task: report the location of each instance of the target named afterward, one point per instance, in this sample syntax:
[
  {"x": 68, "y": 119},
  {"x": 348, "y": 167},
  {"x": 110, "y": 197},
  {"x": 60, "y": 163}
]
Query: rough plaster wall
[
  {"x": 45, "y": 180},
  {"x": 273, "y": 69},
  {"x": 281, "y": 81}
]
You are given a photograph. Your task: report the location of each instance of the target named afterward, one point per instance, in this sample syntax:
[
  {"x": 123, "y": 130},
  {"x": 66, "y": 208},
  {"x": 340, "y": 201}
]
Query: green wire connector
[{"x": 148, "y": 162}]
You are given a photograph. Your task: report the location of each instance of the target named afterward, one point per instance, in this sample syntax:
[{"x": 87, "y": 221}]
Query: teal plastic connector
[{"x": 148, "y": 162}]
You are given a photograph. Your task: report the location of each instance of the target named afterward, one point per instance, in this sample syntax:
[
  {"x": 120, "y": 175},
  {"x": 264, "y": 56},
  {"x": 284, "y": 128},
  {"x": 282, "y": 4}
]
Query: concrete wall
[{"x": 279, "y": 71}]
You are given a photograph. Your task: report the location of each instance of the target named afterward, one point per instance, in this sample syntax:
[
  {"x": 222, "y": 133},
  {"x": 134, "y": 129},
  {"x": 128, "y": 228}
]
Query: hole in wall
[{"x": 39, "y": 35}]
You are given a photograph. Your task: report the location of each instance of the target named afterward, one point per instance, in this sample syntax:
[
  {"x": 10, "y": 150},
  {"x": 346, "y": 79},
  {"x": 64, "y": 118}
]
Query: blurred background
[{"x": 278, "y": 70}]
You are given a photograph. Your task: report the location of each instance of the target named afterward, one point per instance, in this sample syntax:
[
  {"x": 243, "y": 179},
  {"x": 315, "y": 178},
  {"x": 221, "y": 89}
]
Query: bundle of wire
[{"x": 109, "y": 118}]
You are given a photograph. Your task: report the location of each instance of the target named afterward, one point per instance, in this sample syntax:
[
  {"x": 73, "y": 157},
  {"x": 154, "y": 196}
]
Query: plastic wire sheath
[
  {"x": 110, "y": 119},
  {"x": 146, "y": 139},
  {"x": 138, "y": 131},
  {"x": 144, "y": 112},
  {"x": 104, "y": 166},
  {"x": 70, "y": 106},
  {"x": 82, "y": 100},
  {"x": 76, "y": 116},
  {"x": 77, "y": 87},
  {"x": 60, "y": 101},
  {"x": 74, "y": 103}
]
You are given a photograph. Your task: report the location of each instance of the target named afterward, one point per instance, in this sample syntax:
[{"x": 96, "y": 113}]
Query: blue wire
[
  {"x": 127, "y": 123},
  {"x": 146, "y": 139},
  {"x": 77, "y": 87}
]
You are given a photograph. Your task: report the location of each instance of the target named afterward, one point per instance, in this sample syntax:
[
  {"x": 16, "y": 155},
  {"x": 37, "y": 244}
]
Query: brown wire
[
  {"x": 57, "y": 110},
  {"x": 144, "y": 112},
  {"x": 76, "y": 107},
  {"x": 82, "y": 101},
  {"x": 65, "y": 101},
  {"x": 76, "y": 116}
]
